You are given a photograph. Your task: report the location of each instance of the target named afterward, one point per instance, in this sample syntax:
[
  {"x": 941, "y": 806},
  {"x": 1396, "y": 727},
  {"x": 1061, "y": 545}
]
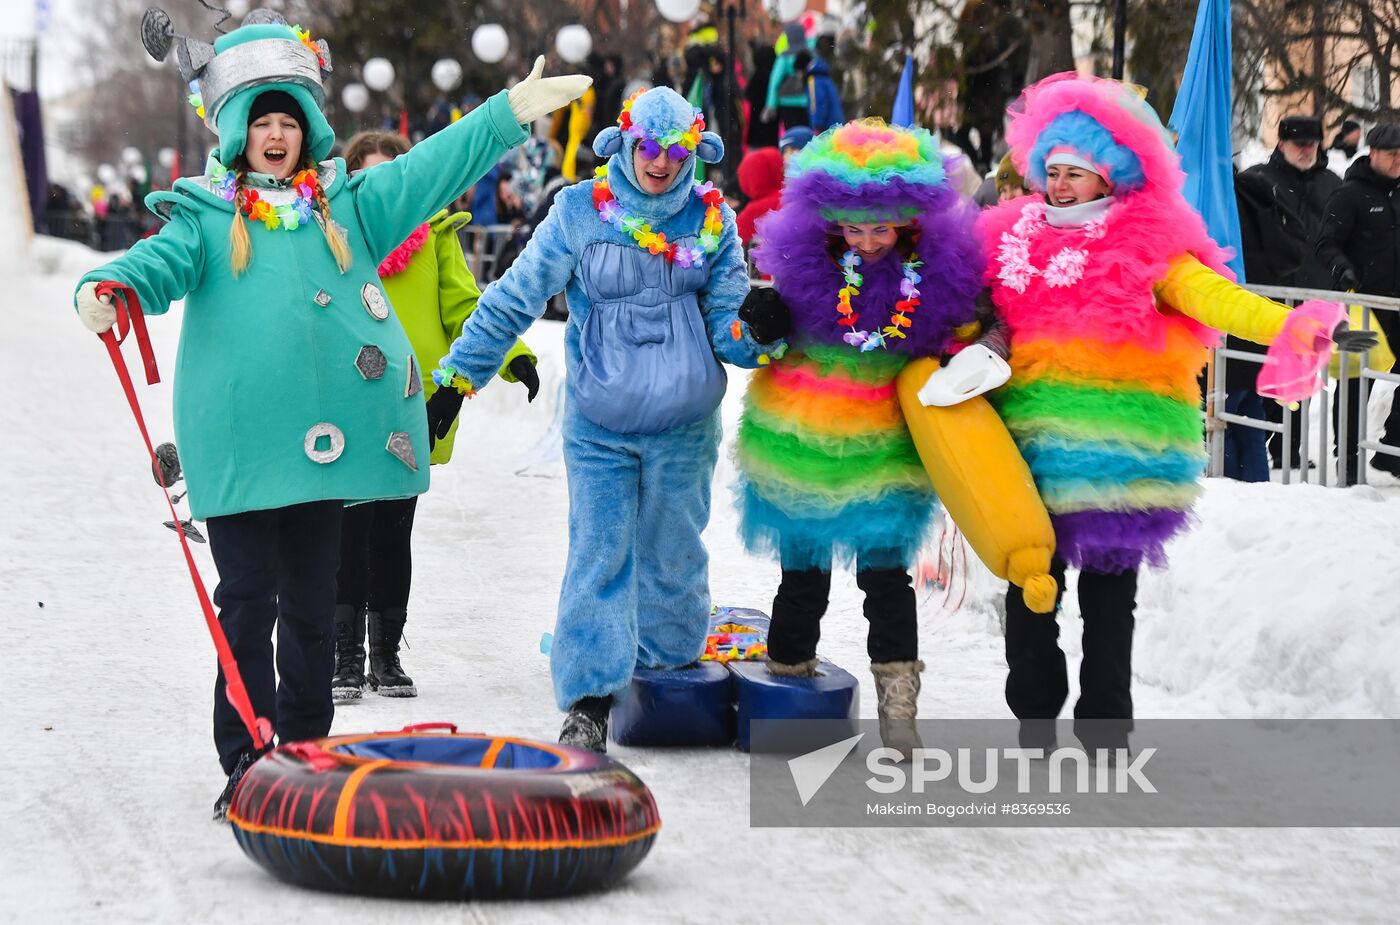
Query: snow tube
[
  {"x": 675, "y": 707},
  {"x": 984, "y": 483},
  {"x": 833, "y": 695},
  {"x": 443, "y": 816},
  {"x": 712, "y": 702}
]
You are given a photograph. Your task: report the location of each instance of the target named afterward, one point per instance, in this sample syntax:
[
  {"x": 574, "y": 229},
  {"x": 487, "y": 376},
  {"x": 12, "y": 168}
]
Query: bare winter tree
[{"x": 1323, "y": 49}]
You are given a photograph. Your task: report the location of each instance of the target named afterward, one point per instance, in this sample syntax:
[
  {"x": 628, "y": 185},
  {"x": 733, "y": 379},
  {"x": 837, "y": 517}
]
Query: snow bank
[{"x": 1283, "y": 602}]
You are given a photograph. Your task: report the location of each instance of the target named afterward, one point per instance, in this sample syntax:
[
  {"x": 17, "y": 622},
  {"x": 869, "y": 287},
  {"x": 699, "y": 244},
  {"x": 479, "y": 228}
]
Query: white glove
[
  {"x": 974, "y": 371},
  {"x": 537, "y": 96},
  {"x": 97, "y": 311}
]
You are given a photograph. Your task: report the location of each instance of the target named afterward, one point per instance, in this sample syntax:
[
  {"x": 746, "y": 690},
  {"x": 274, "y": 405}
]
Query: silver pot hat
[{"x": 264, "y": 53}]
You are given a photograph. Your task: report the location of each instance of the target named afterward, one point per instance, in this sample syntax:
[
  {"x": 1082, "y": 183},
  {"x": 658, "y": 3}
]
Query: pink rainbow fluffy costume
[
  {"x": 828, "y": 471},
  {"x": 1110, "y": 322}
]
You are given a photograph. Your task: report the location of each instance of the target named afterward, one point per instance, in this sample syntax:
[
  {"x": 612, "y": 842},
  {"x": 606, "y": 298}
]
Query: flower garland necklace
[
  {"x": 899, "y": 319},
  {"x": 1063, "y": 270},
  {"x": 610, "y": 211},
  {"x": 289, "y": 216}
]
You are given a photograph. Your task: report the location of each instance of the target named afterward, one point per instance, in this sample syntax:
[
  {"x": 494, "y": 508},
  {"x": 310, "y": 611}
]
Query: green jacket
[
  {"x": 434, "y": 293},
  {"x": 288, "y": 388}
]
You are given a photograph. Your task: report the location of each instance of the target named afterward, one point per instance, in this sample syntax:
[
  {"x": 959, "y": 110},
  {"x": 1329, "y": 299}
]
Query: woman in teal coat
[
  {"x": 296, "y": 390},
  {"x": 433, "y": 293}
]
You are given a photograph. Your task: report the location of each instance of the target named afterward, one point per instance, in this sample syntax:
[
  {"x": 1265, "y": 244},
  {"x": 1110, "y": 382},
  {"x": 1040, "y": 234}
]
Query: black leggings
[
  {"x": 890, "y": 607},
  {"x": 1036, "y": 682},
  {"x": 376, "y": 557},
  {"x": 277, "y": 574}
]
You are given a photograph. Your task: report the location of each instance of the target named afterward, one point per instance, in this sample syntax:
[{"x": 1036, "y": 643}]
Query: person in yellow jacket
[
  {"x": 432, "y": 292},
  {"x": 1112, "y": 293}
]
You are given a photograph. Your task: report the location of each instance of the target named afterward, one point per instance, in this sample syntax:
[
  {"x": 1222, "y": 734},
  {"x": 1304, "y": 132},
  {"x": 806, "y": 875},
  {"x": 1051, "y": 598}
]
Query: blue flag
[
  {"x": 1201, "y": 119},
  {"x": 903, "y": 114}
]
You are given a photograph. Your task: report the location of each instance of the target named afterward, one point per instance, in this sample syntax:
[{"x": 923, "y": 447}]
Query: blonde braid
[
  {"x": 240, "y": 246},
  {"x": 334, "y": 239}
]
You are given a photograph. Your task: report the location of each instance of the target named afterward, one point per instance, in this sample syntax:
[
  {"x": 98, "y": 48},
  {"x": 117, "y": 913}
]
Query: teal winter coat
[{"x": 295, "y": 382}]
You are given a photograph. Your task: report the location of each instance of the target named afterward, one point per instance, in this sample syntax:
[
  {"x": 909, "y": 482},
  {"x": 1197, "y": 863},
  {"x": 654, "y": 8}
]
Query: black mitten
[
  {"x": 443, "y": 408},
  {"x": 766, "y": 314},
  {"x": 524, "y": 372}
]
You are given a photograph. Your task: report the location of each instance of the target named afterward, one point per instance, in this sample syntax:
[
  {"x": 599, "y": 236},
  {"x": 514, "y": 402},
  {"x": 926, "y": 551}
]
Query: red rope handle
[{"x": 130, "y": 320}]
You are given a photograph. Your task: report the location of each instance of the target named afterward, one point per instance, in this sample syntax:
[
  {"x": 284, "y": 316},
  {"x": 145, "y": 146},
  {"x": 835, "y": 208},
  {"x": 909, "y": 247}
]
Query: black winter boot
[
  {"x": 385, "y": 673},
  {"x": 245, "y": 761},
  {"x": 586, "y": 726},
  {"x": 348, "y": 684}
]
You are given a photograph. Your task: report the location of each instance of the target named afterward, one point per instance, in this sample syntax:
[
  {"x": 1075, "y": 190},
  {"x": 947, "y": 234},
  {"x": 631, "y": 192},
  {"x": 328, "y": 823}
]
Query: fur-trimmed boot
[
  {"x": 385, "y": 673},
  {"x": 897, "y": 689},
  {"x": 586, "y": 726},
  {"x": 807, "y": 669},
  {"x": 348, "y": 684}
]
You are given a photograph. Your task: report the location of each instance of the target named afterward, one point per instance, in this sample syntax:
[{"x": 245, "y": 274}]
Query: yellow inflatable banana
[{"x": 984, "y": 483}]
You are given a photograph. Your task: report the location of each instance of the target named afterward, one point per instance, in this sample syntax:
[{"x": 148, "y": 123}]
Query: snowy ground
[{"x": 1282, "y": 603}]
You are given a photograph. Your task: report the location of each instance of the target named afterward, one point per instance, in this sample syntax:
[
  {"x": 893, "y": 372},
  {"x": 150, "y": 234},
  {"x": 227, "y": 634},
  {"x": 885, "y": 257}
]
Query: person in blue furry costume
[{"x": 653, "y": 271}]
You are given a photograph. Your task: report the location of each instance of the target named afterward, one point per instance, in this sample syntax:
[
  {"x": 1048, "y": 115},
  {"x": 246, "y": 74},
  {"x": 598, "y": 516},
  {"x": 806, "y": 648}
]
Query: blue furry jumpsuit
[{"x": 644, "y": 342}]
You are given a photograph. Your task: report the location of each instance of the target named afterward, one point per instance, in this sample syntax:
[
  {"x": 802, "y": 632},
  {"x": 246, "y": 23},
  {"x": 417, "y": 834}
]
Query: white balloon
[
  {"x": 355, "y": 97},
  {"x": 131, "y": 155},
  {"x": 447, "y": 74},
  {"x": 788, "y": 10},
  {"x": 166, "y": 157},
  {"x": 106, "y": 174},
  {"x": 490, "y": 43},
  {"x": 138, "y": 173},
  {"x": 573, "y": 43},
  {"x": 678, "y": 10},
  {"x": 378, "y": 74},
  {"x": 236, "y": 8}
]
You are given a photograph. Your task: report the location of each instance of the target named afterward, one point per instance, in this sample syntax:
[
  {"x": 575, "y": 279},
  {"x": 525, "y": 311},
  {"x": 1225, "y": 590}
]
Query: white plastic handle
[{"x": 975, "y": 371}]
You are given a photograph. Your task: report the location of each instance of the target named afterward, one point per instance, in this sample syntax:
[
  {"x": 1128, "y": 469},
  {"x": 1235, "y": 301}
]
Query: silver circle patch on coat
[
  {"x": 374, "y": 300},
  {"x": 314, "y": 436}
]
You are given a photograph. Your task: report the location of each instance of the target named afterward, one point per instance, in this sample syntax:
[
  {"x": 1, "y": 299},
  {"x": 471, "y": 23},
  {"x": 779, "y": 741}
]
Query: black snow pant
[
  {"x": 376, "y": 555},
  {"x": 277, "y": 570},
  {"x": 1036, "y": 682},
  {"x": 890, "y": 608}
]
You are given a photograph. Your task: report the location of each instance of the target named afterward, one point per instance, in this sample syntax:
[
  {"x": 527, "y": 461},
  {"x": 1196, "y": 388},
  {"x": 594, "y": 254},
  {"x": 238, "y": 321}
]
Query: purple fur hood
[{"x": 793, "y": 249}]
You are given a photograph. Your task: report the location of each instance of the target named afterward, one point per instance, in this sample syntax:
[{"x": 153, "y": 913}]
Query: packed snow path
[{"x": 1281, "y": 604}]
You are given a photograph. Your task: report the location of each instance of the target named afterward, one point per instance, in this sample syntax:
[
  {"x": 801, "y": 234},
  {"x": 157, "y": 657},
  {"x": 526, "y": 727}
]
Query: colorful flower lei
[
  {"x": 678, "y": 143},
  {"x": 290, "y": 217},
  {"x": 610, "y": 211},
  {"x": 899, "y": 319},
  {"x": 449, "y": 378}
]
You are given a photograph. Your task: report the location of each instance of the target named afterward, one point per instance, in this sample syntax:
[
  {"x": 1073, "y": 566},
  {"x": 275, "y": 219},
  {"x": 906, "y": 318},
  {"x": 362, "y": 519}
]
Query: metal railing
[
  {"x": 1217, "y": 418},
  {"x": 484, "y": 245}
]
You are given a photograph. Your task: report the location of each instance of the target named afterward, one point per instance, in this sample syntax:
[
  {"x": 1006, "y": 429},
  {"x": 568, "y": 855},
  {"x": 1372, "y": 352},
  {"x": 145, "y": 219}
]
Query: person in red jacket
[{"x": 761, "y": 179}]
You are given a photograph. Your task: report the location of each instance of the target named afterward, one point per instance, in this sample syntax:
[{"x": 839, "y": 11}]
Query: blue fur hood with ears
[{"x": 656, "y": 111}]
